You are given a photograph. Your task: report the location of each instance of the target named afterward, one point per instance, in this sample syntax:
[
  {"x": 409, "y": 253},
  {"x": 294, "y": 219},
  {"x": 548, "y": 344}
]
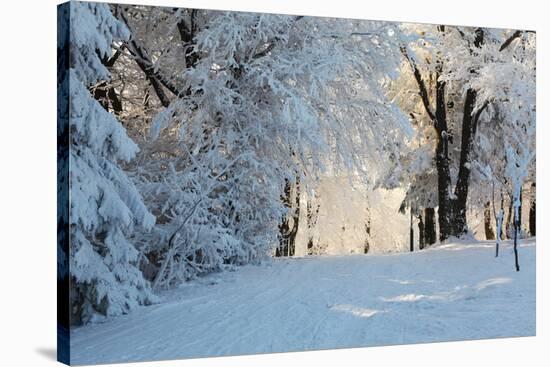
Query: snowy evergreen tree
[{"x": 104, "y": 204}]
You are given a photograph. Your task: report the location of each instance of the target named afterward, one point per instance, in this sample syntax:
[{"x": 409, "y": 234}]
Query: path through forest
[{"x": 450, "y": 292}]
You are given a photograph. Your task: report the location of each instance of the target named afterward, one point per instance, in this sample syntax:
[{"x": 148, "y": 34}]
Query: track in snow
[{"x": 450, "y": 292}]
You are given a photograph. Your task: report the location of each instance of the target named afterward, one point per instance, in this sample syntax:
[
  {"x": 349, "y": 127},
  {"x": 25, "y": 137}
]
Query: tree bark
[
  {"x": 421, "y": 232},
  {"x": 288, "y": 230},
  {"x": 429, "y": 226},
  {"x": 284, "y": 227},
  {"x": 489, "y": 232},
  {"x": 187, "y": 33},
  {"x": 459, "y": 223},
  {"x": 439, "y": 118},
  {"x": 516, "y": 242},
  {"x": 296, "y": 219},
  {"x": 116, "y": 103},
  {"x": 469, "y": 127},
  {"x": 502, "y": 234},
  {"x": 311, "y": 216},
  {"x": 368, "y": 226},
  {"x": 411, "y": 233},
  {"x": 442, "y": 162}
]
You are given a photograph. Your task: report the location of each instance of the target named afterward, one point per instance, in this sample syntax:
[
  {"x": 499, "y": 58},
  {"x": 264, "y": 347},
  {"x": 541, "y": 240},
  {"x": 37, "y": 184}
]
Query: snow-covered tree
[
  {"x": 444, "y": 63},
  {"x": 105, "y": 206},
  {"x": 508, "y": 81},
  {"x": 239, "y": 117},
  {"x": 271, "y": 103}
]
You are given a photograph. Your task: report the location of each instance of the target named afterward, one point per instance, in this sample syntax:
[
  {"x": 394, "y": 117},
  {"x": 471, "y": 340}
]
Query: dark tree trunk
[
  {"x": 105, "y": 94},
  {"x": 459, "y": 223},
  {"x": 500, "y": 222},
  {"x": 489, "y": 232},
  {"x": 295, "y": 221},
  {"x": 516, "y": 243},
  {"x": 533, "y": 214},
  {"x": 439, "y": 118},
  {"x": 442, "y": 164},
  {"x": 311, "y": 217},
  {"x": 411, "y": 234},
  {"x": 284, "y": 228},
  {"x": 187, "y": 33},
  {"x": 502, "y": 229},
  {"x": 288, "y": 230},
  {"x": 368, "y": 226},
  {"x": 429, "y": 226},
  {"x": 116, "y": 103},
  {"x": 107, "y": 97},
  {"x": 452, "y": 218},
  {"x": 100, "y": 94},
  {"x": 442, "y": 156},
  {"x": 421, "y": 232}
]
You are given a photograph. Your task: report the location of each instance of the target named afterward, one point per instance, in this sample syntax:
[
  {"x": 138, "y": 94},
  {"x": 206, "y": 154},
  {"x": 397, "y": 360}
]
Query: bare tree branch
[
  {"x": 423, "y": 91},
  {"x": 141, "y": 57},
  {"x": 510, "y": 39}
]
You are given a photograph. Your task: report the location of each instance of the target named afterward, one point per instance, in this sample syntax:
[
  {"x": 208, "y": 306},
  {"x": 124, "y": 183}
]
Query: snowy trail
[{"x": 450, "y": 292}]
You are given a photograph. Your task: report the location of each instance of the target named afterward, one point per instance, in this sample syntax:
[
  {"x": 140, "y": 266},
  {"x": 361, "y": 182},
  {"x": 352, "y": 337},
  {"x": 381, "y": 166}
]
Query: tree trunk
[
  {"x": 459, "y": 223},
  {"x": 499, "y": 219},
  {"x": 284, "y": 229},
  {"x": 116, "y": 103},
  {"x": 100, "y": 94},
  {"x": 442, "y": 163},
  {"x": 454, "y": 222},
  {"x": 452, "y": 211},
  {"x": 509, "y": 224},
  {"x": 421, "y": 232},
  {"x": 489, "y": 233},
  {"x": 502, "y": 234},
  {"x": 516, "y": 240},
  {"x": 533, "y": 214},
  {"x": 311, "y": 217},
  {"x": 411, "y": 234},
  {"x": 296, "y": 219},
  {"x": 288, "y": 230},
  {"x": 107, "y": 97},
  {"x": 429, "y": 226},
  {"x": 368, "y": 226}
]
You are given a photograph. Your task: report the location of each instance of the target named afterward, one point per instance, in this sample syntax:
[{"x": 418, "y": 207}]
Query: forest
[{"x": 200, "y": 141}]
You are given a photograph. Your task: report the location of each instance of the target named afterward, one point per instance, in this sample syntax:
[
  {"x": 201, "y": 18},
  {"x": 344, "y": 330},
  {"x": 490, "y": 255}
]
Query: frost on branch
[{"x": 271, "y": 99}]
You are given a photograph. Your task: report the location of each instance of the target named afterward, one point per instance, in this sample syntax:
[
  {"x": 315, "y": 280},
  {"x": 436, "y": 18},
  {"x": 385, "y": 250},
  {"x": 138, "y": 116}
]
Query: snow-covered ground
[{"x": 449, "y": 292}]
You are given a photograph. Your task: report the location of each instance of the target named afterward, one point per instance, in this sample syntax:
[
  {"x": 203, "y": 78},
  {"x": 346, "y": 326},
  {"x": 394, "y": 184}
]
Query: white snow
[{"x": 455, "y": 291}]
